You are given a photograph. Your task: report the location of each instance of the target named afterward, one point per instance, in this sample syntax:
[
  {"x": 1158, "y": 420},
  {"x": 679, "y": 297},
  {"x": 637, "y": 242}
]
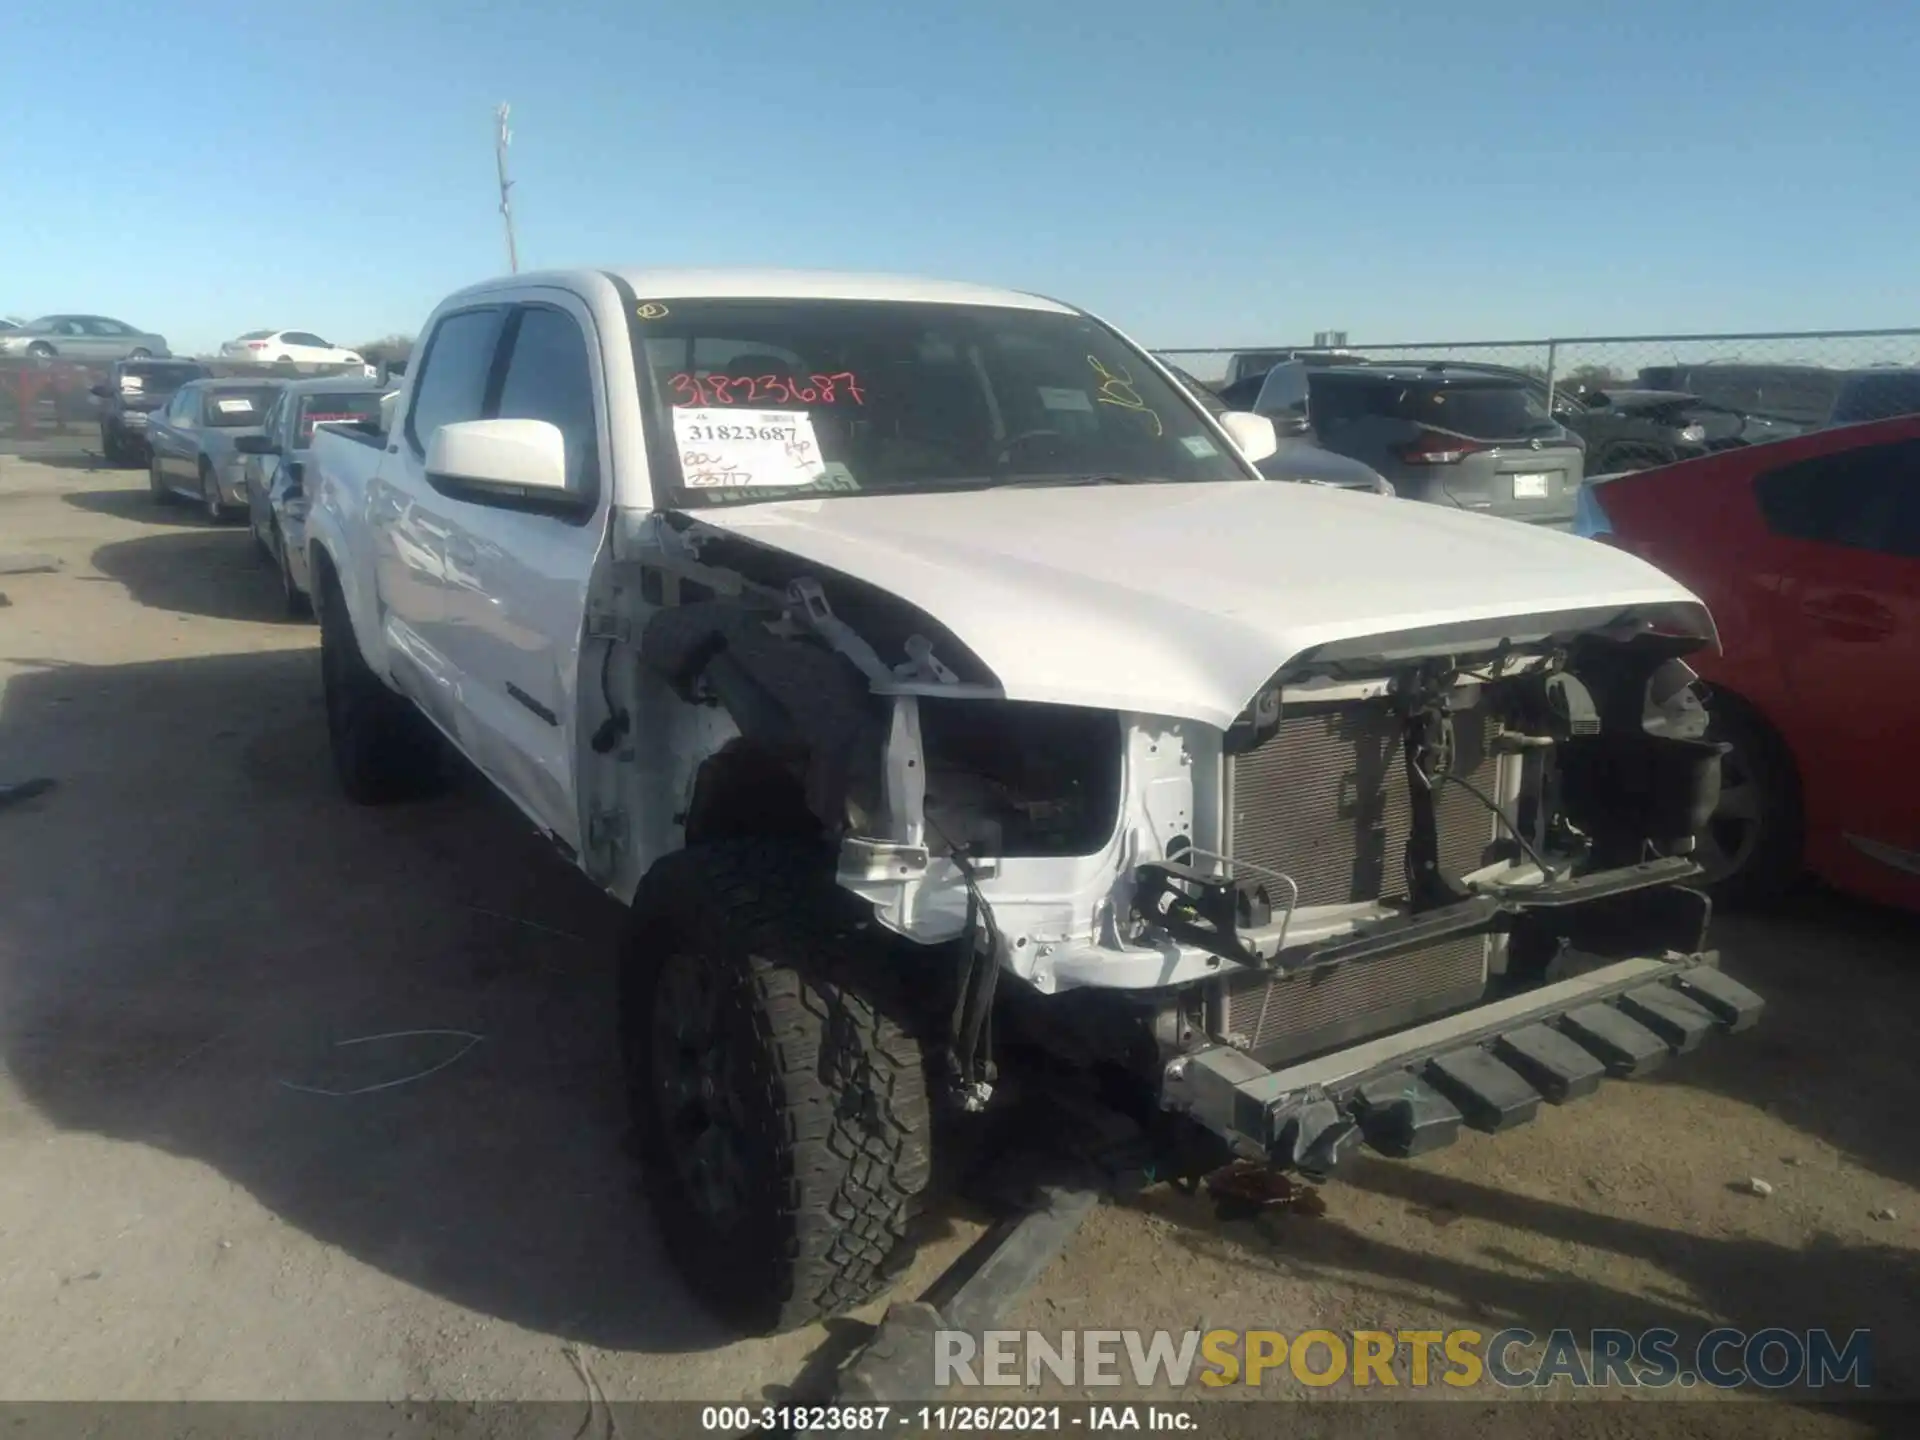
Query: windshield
[
  {"x": 768, "y": 399},
  {"x": 235, "y": 409},
  {"x": 157, "y": 377},
  {"x": 1878, "y": 397},
  {"x": 1492, "y": 410},
  {"x": 347, "y": 407}
]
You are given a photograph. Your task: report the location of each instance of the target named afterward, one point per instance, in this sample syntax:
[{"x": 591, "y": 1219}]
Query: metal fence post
[{"x": 1553, "y": 354}]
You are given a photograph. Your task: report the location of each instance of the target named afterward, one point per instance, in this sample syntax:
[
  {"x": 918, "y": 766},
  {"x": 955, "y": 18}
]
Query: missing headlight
[{"x": 1015, "y": 780}]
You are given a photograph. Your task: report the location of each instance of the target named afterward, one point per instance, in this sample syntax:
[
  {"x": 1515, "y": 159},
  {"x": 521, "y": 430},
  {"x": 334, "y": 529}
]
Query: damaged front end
[{"x": 1423, "y": 881}]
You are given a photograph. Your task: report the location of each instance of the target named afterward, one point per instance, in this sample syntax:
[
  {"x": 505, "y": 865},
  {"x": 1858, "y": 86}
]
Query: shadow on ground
[
  {"x": 89, "y": 461},
  {"x": 194, "y": 921},
  {"x": 190, "y": 567}
]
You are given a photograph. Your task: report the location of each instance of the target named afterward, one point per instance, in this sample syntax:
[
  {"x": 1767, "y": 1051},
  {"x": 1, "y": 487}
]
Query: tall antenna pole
[{"x": 506, "y": 199}]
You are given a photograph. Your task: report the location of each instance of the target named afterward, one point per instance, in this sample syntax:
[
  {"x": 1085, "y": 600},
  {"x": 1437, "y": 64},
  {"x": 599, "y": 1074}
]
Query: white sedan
[{"x": 302, "y": 347}]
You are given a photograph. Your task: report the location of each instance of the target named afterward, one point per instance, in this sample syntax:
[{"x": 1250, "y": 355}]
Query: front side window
[
  {"x": 753, "y": 400},
  {"x": 452, "y": 383},
  {"x": 301, "y": 337},
  {"x": 549, "y": 377}
]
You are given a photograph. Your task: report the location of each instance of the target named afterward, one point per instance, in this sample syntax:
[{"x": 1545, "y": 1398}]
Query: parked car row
[
  {"x": 1807, "y": 551},
  {"x": 232, "y": 445},
  {"x": 102, "y": 338},
  {"x": 1666, "y": 414}
]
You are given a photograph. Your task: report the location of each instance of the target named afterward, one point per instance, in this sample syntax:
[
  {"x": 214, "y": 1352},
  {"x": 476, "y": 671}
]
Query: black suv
[{"x": 132, "y": 390}]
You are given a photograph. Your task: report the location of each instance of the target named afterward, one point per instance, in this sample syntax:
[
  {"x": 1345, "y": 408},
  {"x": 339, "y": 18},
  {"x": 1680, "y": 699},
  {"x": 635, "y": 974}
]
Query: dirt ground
[{"x": 193, "y": 926}]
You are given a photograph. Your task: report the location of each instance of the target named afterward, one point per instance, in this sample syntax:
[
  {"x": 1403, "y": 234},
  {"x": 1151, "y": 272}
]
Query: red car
[{"x": 1808, "y": 553}]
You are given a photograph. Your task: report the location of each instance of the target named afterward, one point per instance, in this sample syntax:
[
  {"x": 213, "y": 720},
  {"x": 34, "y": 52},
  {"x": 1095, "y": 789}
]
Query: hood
[{"x": 1184, "y": 600}]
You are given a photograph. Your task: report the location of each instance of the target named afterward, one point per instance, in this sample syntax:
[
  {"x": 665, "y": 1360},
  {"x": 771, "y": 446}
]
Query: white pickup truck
[{"x": 964, "y": 719}]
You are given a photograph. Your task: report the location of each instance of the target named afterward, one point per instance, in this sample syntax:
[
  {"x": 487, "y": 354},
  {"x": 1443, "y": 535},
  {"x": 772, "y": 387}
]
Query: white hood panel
[{"x": 1183, "y": 600}]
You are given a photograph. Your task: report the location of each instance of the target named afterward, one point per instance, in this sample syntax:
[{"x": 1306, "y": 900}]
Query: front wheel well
[
  {"x": 743, "y": 791},
  {"x": 320, "y": 563}
]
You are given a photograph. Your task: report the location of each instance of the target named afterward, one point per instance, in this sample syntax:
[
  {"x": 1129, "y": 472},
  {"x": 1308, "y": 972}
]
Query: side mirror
[
  {"x": 256, "y": 445},
  {"x": 523, "y": 459},
  {"x": 1292, "y": 424},
  {"x": 1254, "y": 434},
  {"x": 296, "y": 473},
  {"x": 387, "y": 404},
  {"x": 105, "y": 392}
]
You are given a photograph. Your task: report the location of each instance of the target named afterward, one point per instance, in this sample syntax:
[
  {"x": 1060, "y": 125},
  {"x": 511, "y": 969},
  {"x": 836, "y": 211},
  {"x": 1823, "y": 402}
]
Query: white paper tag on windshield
[
  {"x": 1065, "y": 399},
  {"x": 729, "y": 449},
  {"x": 234, "y": 407}
]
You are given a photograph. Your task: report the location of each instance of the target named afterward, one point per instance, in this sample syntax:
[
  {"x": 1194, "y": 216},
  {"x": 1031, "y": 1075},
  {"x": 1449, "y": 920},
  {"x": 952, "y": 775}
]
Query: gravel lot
[{"x": 191, "y": 924}]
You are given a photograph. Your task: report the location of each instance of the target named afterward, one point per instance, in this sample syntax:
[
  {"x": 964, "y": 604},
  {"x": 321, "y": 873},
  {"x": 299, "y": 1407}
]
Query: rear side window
[
  {"x": 1878, "y": 397},
  {"x": 549, "y": 377},
  {"x": 348, "y": 409},
  {"x": 1864, "y": 499},
  {"x": 452, "y": 383}
]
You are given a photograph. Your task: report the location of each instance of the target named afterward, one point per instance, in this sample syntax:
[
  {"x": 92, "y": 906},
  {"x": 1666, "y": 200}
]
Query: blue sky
[{"x": 1199, "y": 171}]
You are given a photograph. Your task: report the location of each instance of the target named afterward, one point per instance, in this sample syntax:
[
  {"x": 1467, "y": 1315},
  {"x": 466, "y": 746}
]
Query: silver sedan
[
  {"x": 81, "y": 337},
  {"x": 192, "y": 443}
]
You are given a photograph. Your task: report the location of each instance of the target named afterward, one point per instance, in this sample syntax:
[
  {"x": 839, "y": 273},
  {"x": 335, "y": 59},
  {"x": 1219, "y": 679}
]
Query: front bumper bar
[{"x": 1488, "y": 1068}]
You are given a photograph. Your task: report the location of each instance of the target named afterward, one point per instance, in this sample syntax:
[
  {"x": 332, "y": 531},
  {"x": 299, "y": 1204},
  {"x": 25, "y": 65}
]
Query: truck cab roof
[{"x": 772, "y": 284}]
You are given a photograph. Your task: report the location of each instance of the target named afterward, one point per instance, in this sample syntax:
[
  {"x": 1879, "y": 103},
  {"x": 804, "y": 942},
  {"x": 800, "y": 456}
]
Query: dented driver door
[{"x": 516, "y": 575}]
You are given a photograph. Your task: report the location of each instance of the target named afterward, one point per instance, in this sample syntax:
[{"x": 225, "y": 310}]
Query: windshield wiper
[{"x": 1040, "y": 482}]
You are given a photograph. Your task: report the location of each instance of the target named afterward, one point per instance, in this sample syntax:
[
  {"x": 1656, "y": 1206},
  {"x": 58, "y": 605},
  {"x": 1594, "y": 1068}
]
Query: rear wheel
[
  {"x": 383, "y": 749},
  {"x": 782, "y": 1112},
  {"x": 1751, "y": 847}
]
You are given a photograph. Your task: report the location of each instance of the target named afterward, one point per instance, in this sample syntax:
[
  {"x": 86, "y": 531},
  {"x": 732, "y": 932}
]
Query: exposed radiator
[{"x": 1326, "y": 801}]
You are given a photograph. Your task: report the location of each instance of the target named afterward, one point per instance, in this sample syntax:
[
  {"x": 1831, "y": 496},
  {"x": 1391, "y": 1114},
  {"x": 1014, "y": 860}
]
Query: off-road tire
[
  {"x": 1773, "y": 861},
  {"x": 384, "y": 751},
  {"x": 836, "y": 1128}
]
